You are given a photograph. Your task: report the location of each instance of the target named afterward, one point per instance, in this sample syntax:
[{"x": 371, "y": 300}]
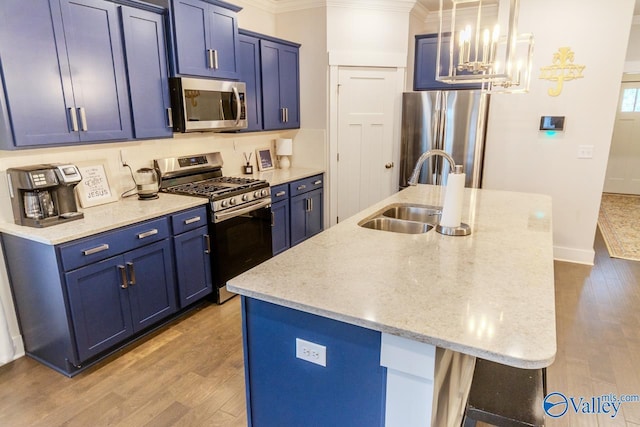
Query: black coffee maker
[{"x": 42, "y": 195}]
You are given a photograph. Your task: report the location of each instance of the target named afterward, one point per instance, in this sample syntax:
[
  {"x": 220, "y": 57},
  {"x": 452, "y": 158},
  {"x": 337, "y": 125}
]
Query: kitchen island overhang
[{"x": 488, "y": 295}]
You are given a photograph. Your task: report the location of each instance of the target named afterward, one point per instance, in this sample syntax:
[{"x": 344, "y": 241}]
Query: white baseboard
[{"x": 577, "y": 256}]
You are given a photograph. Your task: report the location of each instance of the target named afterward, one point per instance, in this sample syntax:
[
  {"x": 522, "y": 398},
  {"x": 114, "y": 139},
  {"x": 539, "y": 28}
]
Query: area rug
[{"x": 619, "y": 223}]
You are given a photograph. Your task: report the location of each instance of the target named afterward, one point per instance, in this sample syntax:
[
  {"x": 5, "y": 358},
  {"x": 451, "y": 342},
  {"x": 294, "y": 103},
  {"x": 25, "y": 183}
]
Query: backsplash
[{"x": 308, "y": 152}]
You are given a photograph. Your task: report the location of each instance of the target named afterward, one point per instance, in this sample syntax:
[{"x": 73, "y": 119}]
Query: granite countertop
[
  {"x": 489, "y": 294},
  {"x": 130, "y": 210},
  {"x": 281, "y": 176},
  {"x": 105, "y": 217}
]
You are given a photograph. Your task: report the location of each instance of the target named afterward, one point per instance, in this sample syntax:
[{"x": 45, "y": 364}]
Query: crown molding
[
  {"x": 282, "y": 6},
  {"x": 265, "y": 5},
  {"x": 420, "y": 11},
  {"x": 433, "y": 18}
]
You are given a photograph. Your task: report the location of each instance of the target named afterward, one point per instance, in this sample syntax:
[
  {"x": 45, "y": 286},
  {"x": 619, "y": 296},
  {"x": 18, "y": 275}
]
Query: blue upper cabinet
[
  {"x": 249, "y": 72},
  {"x": 424, "y": 77},
  {"x": 63, "y": 73},
  {"x": 94, "y": 47},
  {"x": 280, "y": 85},
  {"x": 147, "y": 69},
  {"x": 205, "y": 38}
]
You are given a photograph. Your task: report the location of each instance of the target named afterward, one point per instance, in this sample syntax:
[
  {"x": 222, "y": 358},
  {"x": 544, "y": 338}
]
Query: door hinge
[
  {"x": 338, "y": 157},
  {"x": 337, "y": 219}
]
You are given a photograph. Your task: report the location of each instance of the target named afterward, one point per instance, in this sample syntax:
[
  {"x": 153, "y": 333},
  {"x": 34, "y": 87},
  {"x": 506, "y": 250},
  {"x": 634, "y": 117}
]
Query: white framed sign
[{"x": 94, "y": 189}]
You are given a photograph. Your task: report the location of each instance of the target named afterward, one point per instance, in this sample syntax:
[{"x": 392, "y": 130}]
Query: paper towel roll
[{"x": 453, "y": 198}]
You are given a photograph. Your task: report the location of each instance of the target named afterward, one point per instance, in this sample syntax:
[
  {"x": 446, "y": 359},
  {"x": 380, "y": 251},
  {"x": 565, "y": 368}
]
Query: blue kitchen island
[{"x": 363, "y": 327}]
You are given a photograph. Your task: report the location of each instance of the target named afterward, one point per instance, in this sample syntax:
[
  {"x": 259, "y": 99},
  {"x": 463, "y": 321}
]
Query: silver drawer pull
[
  {"x": 148, "y": 233},
  {"x": 318, "y": 182},
  {"x": 207, "y": 241},
  {"x": 302, "y": 187},
  {"x": 280, "y": 193},
  {"x": 95, "y": 250},
  {"x": 191, "y": 220}
]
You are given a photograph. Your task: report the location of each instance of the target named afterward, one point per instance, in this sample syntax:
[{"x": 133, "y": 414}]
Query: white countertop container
[{"x": 489, "y": 294}]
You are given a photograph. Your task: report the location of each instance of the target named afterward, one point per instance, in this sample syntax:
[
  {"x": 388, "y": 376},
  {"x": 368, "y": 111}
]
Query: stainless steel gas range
[{"x": 239, "y": 210}]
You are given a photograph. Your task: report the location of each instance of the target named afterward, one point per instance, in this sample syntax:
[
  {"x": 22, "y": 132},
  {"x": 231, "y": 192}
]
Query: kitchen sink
[
  {"x": 428, "y": 214},
  {"x": 396, "y": 225},
  {"x": 404, "y": 218}
]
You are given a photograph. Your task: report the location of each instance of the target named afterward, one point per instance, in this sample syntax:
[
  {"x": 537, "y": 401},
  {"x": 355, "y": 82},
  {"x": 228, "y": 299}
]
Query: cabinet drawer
[
  {"x": 92, "y": 249},
  {"x": 189, "y": 220},
  {"x": 305, "y": 185},
  {"x": 279, "y": 192}
]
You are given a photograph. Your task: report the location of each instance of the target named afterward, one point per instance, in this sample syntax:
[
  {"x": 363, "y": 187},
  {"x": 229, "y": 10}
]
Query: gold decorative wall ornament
[
  {"x": 562, "y": 70},
  {"x": 192, "y": 95}
]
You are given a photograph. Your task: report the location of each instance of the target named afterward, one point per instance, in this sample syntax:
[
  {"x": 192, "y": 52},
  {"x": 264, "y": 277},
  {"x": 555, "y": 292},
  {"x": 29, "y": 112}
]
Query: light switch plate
[
  {"x": 311, "y": 352},
  {"x": 585, "y": 151}
]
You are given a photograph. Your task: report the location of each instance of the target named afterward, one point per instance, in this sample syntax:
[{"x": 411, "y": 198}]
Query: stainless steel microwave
[{"x": 200, "y": 105}]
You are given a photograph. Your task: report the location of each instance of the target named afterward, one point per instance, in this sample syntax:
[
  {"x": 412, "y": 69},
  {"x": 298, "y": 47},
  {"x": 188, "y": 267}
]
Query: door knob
[{"x": 389, "y": 165}]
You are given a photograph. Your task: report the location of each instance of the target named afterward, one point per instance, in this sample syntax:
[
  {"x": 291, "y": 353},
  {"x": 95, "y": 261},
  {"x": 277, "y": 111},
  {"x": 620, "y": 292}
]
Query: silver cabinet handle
[
  {"x": 95, "y": 250},
  {"x": 238, "y": 106},
  {"x": 282, "y": 115},
  {"x": 280, "y": 193},
  {"x": 123, "y": 277},
  {"x": 191, "y": 220},
  {"x": 302, "y": 187},
  {"x": 273, "y": 219},
  {"x": 74, "y": 119},
  {"x": 169, "y": 118},
  {"x": 148, "y": 233},
  {"x": 215, "y": 59},
  {"x": 132, "y": 274},
  {"x": 318, "y": 182},
  {"x": 286, "y": 115},
  {"x": 310, "y": 205},
  {"x": 83, "y": 120},
  {"x": 209, "y": 58},
  {"x": 207, "y": 242}
]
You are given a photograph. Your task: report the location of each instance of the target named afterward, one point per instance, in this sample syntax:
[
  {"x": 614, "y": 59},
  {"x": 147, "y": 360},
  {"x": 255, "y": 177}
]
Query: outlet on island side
[{"x": 311, "y": 352}]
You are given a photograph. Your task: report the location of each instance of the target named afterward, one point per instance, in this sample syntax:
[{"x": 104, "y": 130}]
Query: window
[{"x": 630, "y": 101}]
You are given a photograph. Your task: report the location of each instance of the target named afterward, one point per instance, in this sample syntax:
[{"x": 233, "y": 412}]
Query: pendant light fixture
[{"x": 478, "y": 42}]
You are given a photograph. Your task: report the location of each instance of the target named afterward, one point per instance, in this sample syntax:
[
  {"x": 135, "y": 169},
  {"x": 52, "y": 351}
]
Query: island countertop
[{"x": 489, "y": 294}]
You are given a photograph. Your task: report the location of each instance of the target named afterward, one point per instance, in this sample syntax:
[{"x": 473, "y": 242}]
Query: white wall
[{"x": 521, "y": 158}]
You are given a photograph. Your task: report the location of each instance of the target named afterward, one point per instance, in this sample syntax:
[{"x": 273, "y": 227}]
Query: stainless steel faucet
[{"x": 413, "y": 180}]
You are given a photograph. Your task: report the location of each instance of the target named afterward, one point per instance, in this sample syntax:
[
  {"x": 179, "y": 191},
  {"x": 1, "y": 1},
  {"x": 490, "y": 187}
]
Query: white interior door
[
  {"x": 623, "y": 169},
  {"x": 368, "y": 100}
]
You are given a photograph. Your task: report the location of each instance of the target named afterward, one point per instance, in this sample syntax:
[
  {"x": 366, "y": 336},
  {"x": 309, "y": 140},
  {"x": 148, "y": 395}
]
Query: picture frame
[
  {"x": 265, "y": 159},
  {"x": 95, "y": 188}
]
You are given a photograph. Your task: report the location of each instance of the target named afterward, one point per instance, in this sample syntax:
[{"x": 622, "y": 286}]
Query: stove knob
[
  {"x": 224, "y": 203},
  {"x": 245, "y": 198},
  {"x": 232, "y": 201},
  {"x": 256, "y": 194},
  {"x": 264, "y": 193}
]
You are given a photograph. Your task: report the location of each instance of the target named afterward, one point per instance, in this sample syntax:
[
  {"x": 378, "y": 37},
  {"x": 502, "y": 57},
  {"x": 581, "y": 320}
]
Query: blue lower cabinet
[
  {"x": 280, "y": 223},
  {"x": 283, "y": 390},
  {"x": 117, "y": 297},
  {"x": 193, "y": 265}
]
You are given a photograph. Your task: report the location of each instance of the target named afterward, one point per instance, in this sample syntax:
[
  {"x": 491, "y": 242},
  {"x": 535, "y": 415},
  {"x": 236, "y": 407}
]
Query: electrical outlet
[{"x": 311, "y": 352}]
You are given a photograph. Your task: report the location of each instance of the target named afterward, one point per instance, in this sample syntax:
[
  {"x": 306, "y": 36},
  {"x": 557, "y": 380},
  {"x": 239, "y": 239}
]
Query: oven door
[{"x": 240, "y": 243}]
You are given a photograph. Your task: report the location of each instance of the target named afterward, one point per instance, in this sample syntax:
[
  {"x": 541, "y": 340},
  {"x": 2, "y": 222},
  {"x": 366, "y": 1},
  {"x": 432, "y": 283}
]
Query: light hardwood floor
[{"x": 191, "y": 374}]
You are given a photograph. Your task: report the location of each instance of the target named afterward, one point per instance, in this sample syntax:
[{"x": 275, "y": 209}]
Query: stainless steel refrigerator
[{"x": 449, "y": 120}]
